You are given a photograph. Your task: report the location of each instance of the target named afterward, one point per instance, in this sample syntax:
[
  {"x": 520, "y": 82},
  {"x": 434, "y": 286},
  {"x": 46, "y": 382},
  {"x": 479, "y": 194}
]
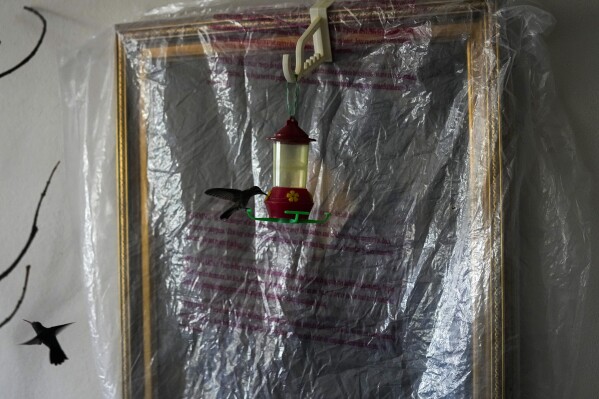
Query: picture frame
[{"x": 151, "y": 47}]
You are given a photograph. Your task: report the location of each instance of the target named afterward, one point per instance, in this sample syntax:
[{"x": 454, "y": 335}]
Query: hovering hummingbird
[
  {"x": 47, "y": 336},
  {"x": 239, "y": 197}
]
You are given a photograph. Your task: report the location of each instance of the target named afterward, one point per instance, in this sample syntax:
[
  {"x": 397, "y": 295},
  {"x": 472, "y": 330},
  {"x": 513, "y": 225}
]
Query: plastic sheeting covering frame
[{"x": 411, "y": 290}]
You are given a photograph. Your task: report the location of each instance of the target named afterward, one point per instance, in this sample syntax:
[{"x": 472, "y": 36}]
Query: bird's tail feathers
[{"x": 57, "y": 356}]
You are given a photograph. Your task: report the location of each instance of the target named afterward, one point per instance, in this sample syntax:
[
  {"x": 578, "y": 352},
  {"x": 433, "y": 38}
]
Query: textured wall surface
[{"x": 31, "y": 141}]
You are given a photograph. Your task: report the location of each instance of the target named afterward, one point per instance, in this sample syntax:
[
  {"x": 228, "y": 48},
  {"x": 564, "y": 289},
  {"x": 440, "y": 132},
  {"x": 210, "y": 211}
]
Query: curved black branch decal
[
  {"x": 37, "y": 46},
  {"x": 9, "y": 318},
  {"x": 34, "y": 228}
]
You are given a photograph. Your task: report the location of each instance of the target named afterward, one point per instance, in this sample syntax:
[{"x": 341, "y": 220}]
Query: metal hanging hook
[{"x": 319, "y": 32}]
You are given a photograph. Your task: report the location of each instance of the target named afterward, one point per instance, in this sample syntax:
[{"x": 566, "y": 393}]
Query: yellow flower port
[{"x": 293, "y": 196}]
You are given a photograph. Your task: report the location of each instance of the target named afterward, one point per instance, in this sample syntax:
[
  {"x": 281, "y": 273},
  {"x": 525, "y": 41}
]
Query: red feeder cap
[{"x": 291, "y": 134}]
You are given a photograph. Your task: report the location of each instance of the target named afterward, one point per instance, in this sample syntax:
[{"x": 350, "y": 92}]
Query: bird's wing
[
  {"x": 227, "y": 214},
  {"x": 57, "y": 329},
  {"x": 33, "y": 341},
  {"x": 229, "y": 194}
]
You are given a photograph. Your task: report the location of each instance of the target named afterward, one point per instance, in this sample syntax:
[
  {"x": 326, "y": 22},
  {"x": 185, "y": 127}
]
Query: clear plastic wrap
[{"x": 440, "y": 150}]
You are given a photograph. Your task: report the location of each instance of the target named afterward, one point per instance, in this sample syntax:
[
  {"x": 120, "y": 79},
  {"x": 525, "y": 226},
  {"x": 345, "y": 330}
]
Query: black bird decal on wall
[
  {"x": 47, "y": 336},
  {"x": 239, "y": 197}
]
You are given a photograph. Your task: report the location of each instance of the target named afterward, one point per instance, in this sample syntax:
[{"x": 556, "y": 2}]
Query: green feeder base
[{"x": 294, "y": 220}]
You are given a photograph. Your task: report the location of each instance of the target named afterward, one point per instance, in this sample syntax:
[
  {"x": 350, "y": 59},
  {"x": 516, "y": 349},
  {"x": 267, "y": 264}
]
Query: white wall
[{"x": 31, "y": 141}]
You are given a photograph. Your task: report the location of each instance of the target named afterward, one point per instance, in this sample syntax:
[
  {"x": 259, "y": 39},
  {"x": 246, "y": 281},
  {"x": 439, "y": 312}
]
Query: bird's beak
[
  {"x": 27, "y": 321},
  {"x": 263, "y": 193}
]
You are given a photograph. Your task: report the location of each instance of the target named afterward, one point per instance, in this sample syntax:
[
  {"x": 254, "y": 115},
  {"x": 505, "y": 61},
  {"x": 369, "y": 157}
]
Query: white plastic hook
[{"x": 319, "y": 31}]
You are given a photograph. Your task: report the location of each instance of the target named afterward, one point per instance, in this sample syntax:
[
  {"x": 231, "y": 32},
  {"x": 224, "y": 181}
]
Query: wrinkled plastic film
[
  {"x": 549, "y": 203},
  {"x": 390, "y": 297}
]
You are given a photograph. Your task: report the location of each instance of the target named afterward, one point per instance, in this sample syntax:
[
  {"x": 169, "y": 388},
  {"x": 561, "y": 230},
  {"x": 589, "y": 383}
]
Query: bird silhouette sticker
[
  {"x": 240, "y": 198},
  {"x": 47, "y": 336}
]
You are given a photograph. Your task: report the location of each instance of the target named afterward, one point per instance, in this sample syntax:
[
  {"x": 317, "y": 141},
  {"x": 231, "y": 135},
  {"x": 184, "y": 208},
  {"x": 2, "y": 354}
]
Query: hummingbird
[
  {"x": 239, "y": 197},
  {"x": 47, "y": 336}
]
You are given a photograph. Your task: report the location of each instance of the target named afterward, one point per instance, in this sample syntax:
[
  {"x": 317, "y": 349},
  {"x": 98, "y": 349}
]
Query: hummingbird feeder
[{"x": 289, "y": 201}]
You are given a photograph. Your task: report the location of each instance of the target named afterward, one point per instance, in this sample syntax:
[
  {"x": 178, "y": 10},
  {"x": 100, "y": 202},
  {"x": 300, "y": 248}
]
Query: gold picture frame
[{"x": 138, "y": 44}]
